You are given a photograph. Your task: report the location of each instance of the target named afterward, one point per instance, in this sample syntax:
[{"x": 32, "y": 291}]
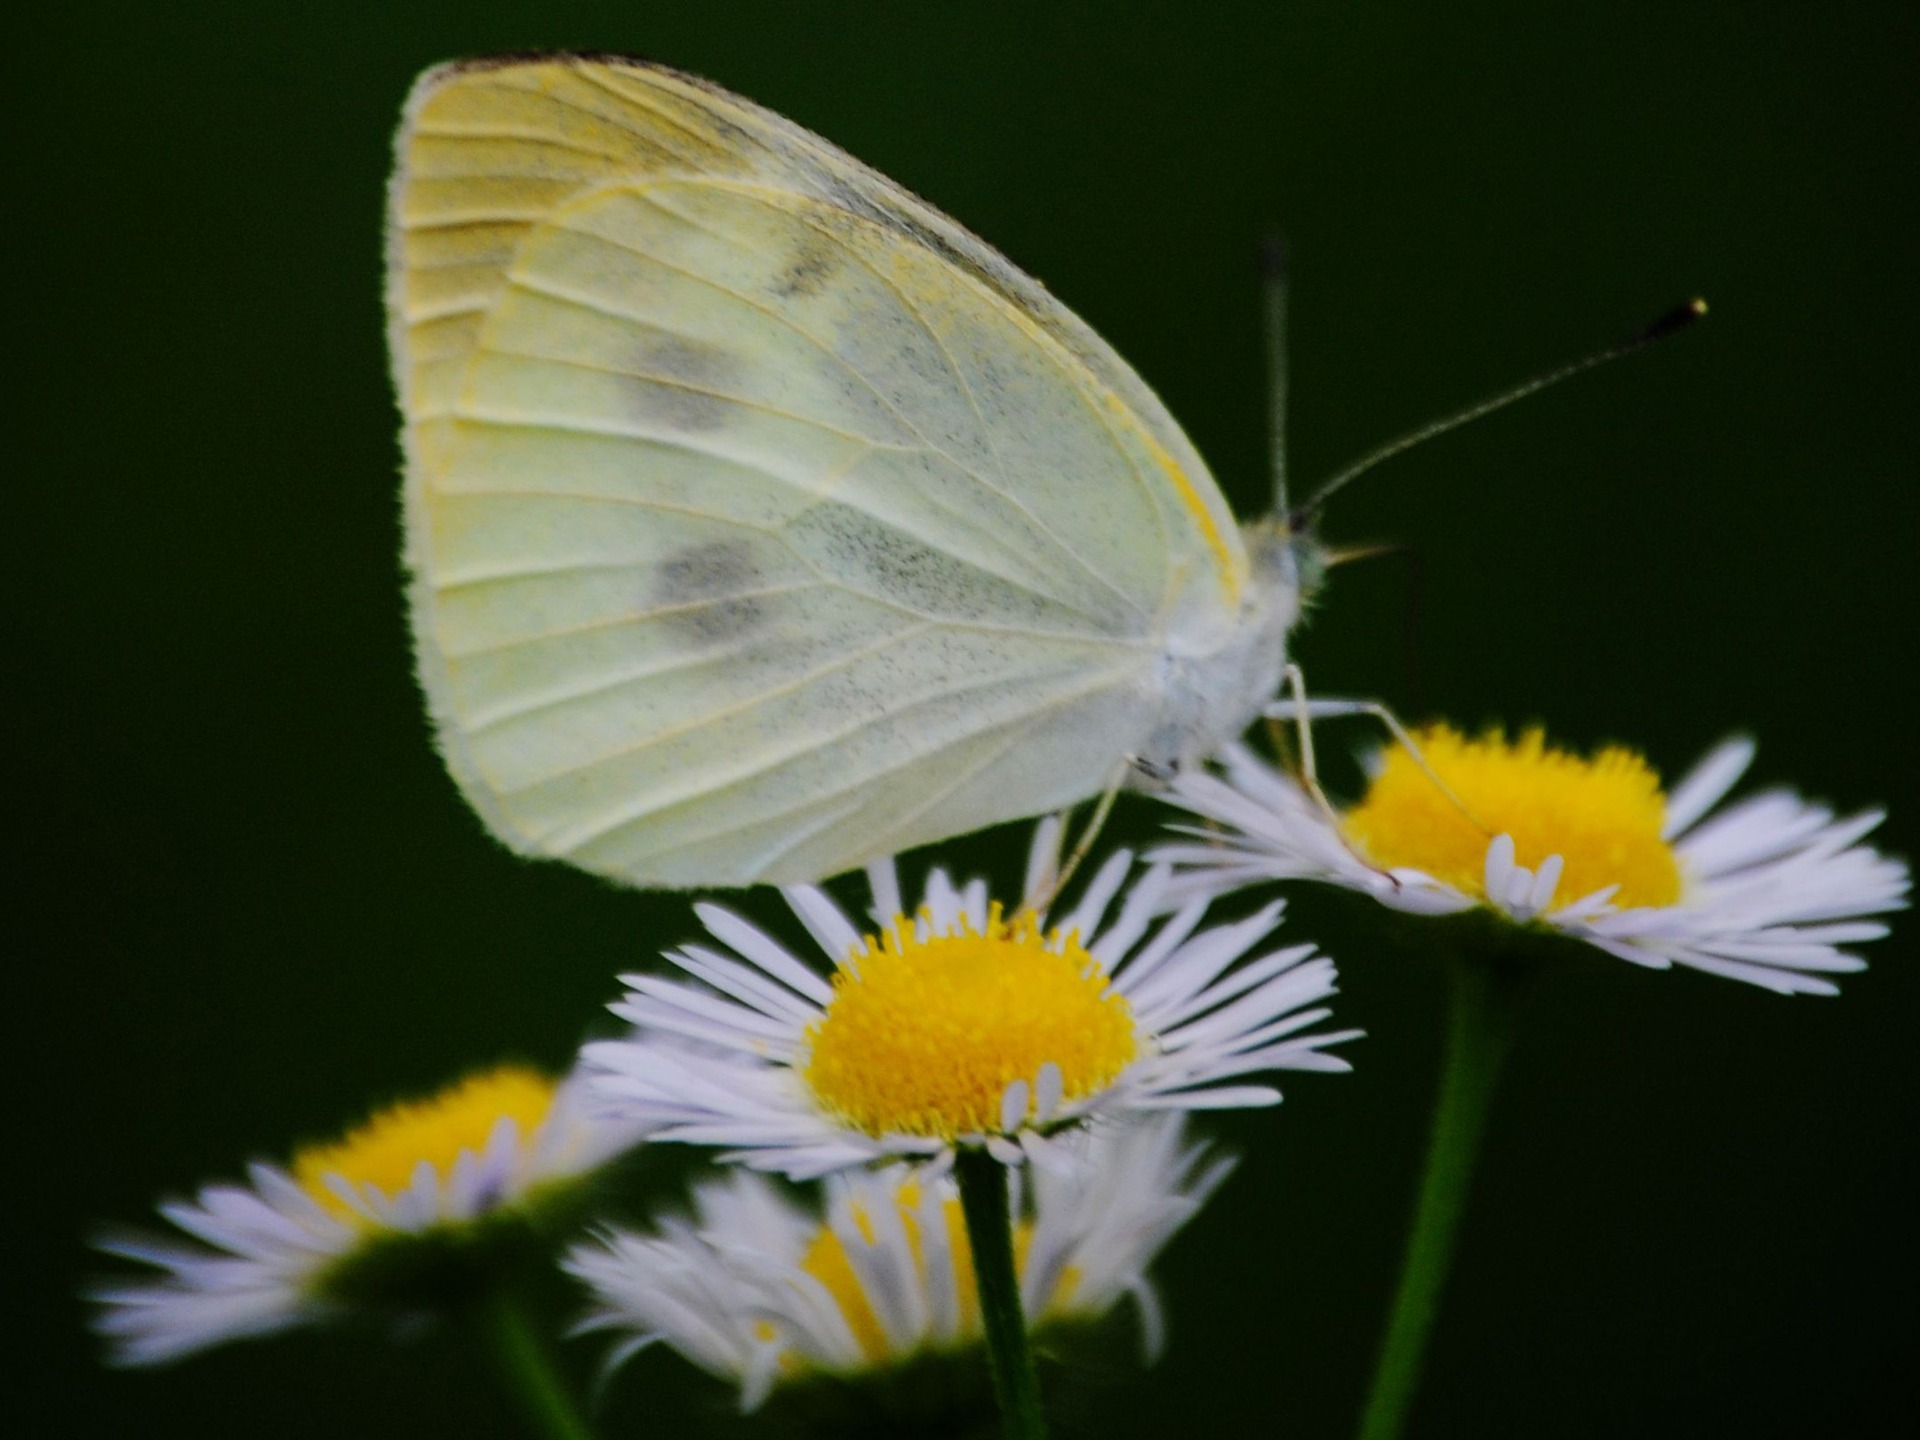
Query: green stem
[
  {"x": 530, "y": 1370},
  {"x": 983, "y": 1200},
  {"x": 1479, "y": 1029}
]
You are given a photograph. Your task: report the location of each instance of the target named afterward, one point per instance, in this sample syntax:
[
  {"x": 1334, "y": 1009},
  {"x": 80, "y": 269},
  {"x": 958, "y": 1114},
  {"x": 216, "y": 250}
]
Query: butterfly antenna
[
  {"x": 1671, "y": 323},
  {"x": 1274, "y": 268}
]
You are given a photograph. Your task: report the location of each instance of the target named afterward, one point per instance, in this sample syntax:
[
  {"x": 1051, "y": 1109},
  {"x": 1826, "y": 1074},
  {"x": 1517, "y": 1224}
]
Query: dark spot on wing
[
  {"x": 807, "y": 273},
  {"x": 685, "y": 384},
  {"x": 866, "y": 553},
  {"x": 698, "y": 592}
]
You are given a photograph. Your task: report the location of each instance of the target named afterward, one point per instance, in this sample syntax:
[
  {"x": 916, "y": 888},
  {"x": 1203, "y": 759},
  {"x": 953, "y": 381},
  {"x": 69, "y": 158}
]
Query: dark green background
[{"x": 248, "y": 902}]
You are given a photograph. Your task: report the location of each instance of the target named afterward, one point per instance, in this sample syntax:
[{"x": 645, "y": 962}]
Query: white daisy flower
[
  {"x": 1768, "y": 890},
  {"x": 293, "y": 1245},
  {"x": 960, "y": 1026},
  {"x": 759, "y": 1291}
]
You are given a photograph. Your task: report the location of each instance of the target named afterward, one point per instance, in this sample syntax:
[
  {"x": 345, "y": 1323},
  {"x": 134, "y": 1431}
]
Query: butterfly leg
[
  {"x": 1303, "y": 711},
  {"x": 1102, "y": 808}
]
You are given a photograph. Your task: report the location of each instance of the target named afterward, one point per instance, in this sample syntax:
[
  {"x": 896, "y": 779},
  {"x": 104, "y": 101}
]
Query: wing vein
[
  {"x": 787, "y": 844},
  {"x": 488, "y": 720},
  {"x": 1100, "y": 401},
  {"x": 743, "y": 401},
  {"x": 765, "y": 312},
  {"x": 1019, "y": 731},
  {"x": 474, "y": 220},
  {"x": 643, "y": 101},
  {"x": 553, "y": 97},
  {"x": 514, "y": 132},
  {"x": 985, "y": 482},
  {"x": 567, "y": 632},
  {"x": 472, "y": 413},
  {"x": 666, "y": 442},
  {"x": 691, "y": 511},
  {"x": 536, "y": 572},
  {"x": 814, "y": 744},
  {"x": 727, "y": 712},
  {"x": 419, "y": 314},
  {"x": 462, "y": 223},
  {"x": 952, "y": 364}
]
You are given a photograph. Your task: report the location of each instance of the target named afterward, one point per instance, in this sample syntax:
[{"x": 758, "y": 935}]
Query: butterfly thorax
[{"x": 1219, "y": 669}]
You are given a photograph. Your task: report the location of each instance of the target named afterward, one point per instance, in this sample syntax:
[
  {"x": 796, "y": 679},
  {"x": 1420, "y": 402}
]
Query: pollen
[
  {"x": 387, "y": 1151},
  {"x": 923, "y": 1035},
  {"x": 1603, "y": 816}
]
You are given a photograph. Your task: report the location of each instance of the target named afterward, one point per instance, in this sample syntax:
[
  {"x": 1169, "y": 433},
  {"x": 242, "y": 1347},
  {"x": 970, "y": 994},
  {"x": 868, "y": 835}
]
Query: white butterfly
[{"x": 763, "y": 521}]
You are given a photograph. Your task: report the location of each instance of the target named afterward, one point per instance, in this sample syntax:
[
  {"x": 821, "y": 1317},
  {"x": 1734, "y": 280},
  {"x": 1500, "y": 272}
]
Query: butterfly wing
[{"x": 761, "y": 520}]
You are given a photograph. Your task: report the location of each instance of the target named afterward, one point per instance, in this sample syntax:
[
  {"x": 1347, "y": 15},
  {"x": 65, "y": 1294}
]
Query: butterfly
[{"x": 762, "y": 521}]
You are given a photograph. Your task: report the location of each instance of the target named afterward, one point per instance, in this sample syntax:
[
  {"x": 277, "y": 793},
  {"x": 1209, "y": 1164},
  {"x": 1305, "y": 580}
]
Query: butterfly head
[{"x": 1289, "y": 564}]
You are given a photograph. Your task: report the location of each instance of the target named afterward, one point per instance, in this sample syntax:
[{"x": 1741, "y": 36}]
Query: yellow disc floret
[
  {"x": 922, "y": 1037},
  {"x": 826, "y": 1260},
  {"x": 1602, "y": 816},
  {"x": 386, "y": 1151}
]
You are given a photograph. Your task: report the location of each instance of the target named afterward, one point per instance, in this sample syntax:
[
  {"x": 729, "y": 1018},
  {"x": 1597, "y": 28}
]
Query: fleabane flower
[
  {"x": 761, "y": 1292},
  {"x": 387, "y": 1217},
  {"x": 1769, "y": 890},
  {"x": 960, "y": 1026}
]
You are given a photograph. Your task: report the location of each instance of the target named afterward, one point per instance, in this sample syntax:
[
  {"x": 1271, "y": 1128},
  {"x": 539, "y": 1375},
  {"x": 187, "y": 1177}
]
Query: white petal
[
  {"x": 1085, "y": 916},
  {"x": 1043, "y": 861},
  {"x": 883, "y": 883},
  {"x": 1545, "y": 881},
  {"x": 1707, "y": 784},
  {"x": 1497, "y": 875},
  {"x": 1013, "y": 1106},
  {"x": 1004, "y": 1150},
  {"x": 825, "y": 921},
  {"x": 752, "y": 944},
  {"x": 1049, "y": 1086}
]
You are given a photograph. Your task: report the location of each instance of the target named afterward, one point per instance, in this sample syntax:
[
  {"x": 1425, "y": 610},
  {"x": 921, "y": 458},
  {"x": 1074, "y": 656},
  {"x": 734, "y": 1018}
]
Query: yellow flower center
[
  {"x": 922, "y": 1037},
  {"x": 1602, "y": 816},
  {"x": 388, "y": 1148},
  {"x": 826, "y": 1260}
]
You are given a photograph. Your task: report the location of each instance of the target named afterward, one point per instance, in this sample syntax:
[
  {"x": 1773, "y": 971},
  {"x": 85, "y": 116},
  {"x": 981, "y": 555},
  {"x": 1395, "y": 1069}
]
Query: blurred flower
[
  {"x": 1767, "y": 890},
  {"x": 759, "y": 1291},
  {"x": 398, "y": 1213},
  {"x": 960, "y": 1026}
]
